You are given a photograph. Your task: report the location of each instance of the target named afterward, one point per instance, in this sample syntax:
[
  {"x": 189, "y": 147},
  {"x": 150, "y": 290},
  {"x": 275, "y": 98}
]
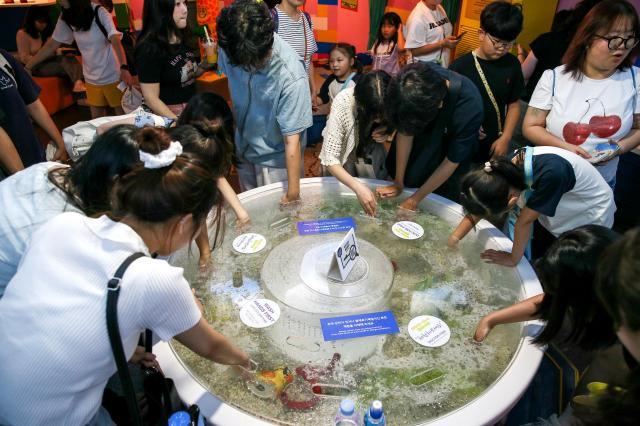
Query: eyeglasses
[
  {"x": 499, "y": 44},
  {"x": 615, "y": 43}
]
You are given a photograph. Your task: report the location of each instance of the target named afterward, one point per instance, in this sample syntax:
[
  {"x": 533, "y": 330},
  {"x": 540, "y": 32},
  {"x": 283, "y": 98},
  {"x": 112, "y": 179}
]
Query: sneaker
[{"x": 79, "y": 87}]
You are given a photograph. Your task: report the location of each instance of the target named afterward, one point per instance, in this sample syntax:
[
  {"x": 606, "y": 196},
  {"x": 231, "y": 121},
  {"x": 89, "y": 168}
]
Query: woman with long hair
[
  {"x": 59, "y": 373},
  {"x": 566, "y": 272},
  {"x": 166, "y": 57},
  {"x": 33, "y": 196},
  {"x": 104, "y": 62},
  {"x": 355, "y": 135},
  {"x": 30, "y": 38}
]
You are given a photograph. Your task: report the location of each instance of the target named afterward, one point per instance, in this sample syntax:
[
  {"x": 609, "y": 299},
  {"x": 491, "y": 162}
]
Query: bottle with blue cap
[
  {"x": 191, "y": 417},
  {"x": 347, "y": 414},
  {"x": 375, "y": 415}
]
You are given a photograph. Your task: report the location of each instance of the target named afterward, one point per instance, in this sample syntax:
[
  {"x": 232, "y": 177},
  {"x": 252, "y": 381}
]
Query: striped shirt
[{"x": 293, "y": 33}]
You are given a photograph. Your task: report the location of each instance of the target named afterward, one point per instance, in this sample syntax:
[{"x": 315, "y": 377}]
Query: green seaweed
[{"x": 424, "y": 284}]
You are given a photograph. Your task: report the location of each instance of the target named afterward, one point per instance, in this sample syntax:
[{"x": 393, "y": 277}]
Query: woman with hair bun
[
  {"x": 551, "y": 186},
  {"x": 56, "y": 354}
]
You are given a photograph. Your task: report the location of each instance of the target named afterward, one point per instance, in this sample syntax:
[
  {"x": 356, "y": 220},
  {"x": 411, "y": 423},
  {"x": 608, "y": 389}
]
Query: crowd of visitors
[{"x": 543, "y": 144}]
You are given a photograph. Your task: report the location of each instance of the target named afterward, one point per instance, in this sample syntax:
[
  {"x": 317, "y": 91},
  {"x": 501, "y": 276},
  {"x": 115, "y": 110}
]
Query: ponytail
[
  {"x": 485, "y": 192},
  {"x": 155, "y": 195}
]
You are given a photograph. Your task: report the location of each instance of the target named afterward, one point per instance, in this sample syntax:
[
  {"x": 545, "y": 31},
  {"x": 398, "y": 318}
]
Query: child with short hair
[
  {"x": 559, "y": 189},
  {"x": 498, "y": 76},
  {"x": 346, "y": 71},
  {"x": 388, "y": 50}
]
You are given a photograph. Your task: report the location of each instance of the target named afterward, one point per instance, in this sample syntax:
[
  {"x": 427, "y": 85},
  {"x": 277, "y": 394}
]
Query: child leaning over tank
[{"x": 555, "y": 187}]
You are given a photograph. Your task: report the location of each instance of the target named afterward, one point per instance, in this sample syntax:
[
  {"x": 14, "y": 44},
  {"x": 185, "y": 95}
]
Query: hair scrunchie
[{"x": 163, "y": 158}]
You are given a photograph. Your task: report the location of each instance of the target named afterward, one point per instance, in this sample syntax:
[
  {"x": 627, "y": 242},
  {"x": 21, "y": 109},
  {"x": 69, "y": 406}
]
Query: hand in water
[
  {"x": 409, "y": 204},
  {"x": 452, "y": 242},
  {"x": 503, "y": 258},
  {"x": 288, "y": 199},
  {"x": 389, "y": 191},
  {"x": 483, "y": 329},
  {"x": 243, "y": 223},
  {"x": 367, "y": 199}
]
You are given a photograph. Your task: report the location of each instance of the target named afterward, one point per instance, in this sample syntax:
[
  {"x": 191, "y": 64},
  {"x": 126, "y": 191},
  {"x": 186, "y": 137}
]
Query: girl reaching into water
[{"x": 551, "y": 186}]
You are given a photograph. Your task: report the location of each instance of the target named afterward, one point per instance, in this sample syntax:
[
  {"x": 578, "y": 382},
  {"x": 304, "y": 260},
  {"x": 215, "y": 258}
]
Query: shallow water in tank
[{"x": 415, "y": 383}]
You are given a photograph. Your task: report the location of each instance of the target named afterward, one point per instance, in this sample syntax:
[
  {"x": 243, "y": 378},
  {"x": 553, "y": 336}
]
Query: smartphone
[{"x": 459, "y": 36}]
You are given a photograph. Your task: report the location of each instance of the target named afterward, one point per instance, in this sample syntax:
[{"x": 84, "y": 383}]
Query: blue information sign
[
  {"x": 361, "y": 325},
  {"x": 324, "y": 226}
]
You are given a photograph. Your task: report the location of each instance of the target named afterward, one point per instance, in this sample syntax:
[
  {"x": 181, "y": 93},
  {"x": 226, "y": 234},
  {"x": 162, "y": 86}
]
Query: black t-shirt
[
  {"x": 17, "y": 121},
  {"x": 324, "y": 89},
  {"x": 504, "y": 76},
  {"x": 549, "y": 48},
  {"x": 465, "y": 123},
  {"x": 553, "y": 176},
  {"x": 174, "y": 70}
]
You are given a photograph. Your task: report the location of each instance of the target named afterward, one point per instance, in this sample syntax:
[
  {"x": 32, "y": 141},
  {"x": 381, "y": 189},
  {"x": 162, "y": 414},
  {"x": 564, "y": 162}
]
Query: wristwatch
[{"x": 124, "y": 67}]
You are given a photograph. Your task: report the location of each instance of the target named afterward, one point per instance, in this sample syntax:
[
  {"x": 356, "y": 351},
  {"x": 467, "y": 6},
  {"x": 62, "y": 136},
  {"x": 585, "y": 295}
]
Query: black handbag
[{"x": 160, "y": 398}]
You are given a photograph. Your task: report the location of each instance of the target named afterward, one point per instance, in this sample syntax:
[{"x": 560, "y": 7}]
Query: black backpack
[{"x": 128, "y": 40}]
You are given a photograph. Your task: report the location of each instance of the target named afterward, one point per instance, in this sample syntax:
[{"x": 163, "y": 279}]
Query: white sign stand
[{"x": 344, "y": 257}]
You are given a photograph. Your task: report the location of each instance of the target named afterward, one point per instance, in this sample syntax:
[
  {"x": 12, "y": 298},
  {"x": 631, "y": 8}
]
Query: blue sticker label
[
  {"x": 361, "y": 325},
  {"x": 324, "y": 226}
]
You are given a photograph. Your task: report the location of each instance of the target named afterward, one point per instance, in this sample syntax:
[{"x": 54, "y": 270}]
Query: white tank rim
[{"x": 486, "y": 409}]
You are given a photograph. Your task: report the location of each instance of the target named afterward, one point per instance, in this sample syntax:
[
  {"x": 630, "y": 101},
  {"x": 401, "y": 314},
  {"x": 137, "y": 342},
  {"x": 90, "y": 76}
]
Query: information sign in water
[
  {"x": 344, "y": 257},
  {"x": 360, "y": 325},
  {"x": 429, "y": 331},
  {"x": 249, "y": 243},
  {"x": 407, "y": 230},
  {"x": 325, "y": 226},
  {"x": 259, "y": 313}
]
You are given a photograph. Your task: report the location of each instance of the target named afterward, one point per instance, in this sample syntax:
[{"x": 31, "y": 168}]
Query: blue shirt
[
  {"x": 14, "y": 99},
  {"x": 269, "y": 104}
]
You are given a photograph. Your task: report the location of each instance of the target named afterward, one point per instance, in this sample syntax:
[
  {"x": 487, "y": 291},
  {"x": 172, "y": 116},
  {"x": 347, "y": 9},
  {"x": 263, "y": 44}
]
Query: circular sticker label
[
  {"x": 407, "y": 230},
  {"x": 249, "y": 243},
  {"x": 429, "y": 331},
  {"x": 259, "y": 313}
]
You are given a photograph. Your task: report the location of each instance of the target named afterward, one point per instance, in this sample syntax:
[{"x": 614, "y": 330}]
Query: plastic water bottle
[
  {"x": 191, "y": 417},
  {"x": 347, "y": 415},
  {"x": 375, "y": 415}
]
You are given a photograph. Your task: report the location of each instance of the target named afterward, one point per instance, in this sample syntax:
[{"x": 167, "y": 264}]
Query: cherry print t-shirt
[{"x": 589, "y": 112}]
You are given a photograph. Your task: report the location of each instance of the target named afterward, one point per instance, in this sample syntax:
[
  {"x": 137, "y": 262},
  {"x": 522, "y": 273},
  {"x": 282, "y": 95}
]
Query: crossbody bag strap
[
  {"x": 113, "y": 292},
  {"x": 489, "y": 92},
  {"x": 304, "y": 31},
  {"x": 635, "y": 90}
]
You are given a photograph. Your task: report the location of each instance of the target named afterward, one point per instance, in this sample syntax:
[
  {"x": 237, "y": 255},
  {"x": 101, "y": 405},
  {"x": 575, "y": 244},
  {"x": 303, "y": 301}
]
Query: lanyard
[
  {"x": 528, "y": 170},
  {"x": 489, "y": 92},
  {"x": 347, "y": 81}
]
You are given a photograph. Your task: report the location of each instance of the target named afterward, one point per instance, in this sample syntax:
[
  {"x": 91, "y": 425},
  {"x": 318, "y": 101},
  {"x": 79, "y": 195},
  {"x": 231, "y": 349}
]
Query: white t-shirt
[
  {"x": 55, "y": 351},
  {"x": 568, "y": 191},
  {"x": 99, "y": 63},
  {"x": 426, "y": 26},
  {"x": 574, "y": 101},
  {"x": 28, "y": 199}
]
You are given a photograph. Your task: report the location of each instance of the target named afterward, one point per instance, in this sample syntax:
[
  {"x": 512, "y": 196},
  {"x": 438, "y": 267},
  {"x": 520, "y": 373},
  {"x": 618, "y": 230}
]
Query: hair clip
[
  {"x": 162, "y": 159},
  {"x": 487, "y": 167}
]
